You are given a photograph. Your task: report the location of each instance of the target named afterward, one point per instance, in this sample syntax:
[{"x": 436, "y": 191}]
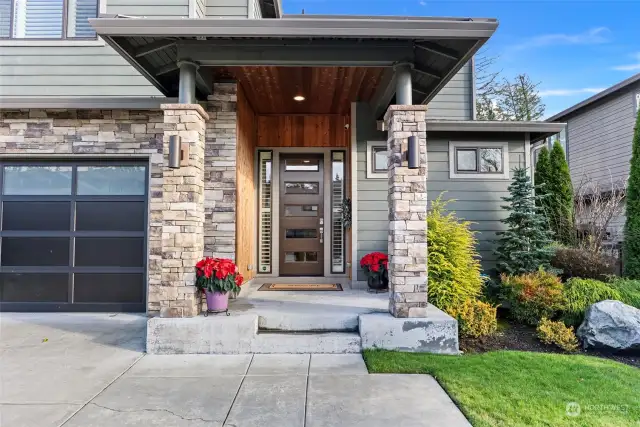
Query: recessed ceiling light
[
  {"x": 299, "y": 98},
  {"x": 306, "y": 161}
]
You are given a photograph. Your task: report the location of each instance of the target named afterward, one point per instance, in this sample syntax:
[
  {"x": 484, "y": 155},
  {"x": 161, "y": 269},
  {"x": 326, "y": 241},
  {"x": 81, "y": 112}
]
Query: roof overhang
[
  {"x": 536, "y": 130},
  {"x": 437, "y": 47},
  {"x": 623, "y": 85}
]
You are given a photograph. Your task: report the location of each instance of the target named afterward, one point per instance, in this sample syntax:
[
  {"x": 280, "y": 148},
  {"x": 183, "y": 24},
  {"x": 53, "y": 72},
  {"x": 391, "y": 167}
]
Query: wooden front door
[{"x": 301, "y": 215}]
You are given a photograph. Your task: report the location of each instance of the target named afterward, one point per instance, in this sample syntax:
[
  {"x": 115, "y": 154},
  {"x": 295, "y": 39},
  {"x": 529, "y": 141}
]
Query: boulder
[{"x": 611, "y": 325}]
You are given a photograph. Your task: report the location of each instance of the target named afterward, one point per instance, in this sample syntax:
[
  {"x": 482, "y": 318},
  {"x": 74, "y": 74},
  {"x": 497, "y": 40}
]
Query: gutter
[{"x": 396, "y": 28}]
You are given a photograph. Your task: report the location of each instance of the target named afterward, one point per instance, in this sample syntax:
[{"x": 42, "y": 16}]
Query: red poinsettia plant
[
  {"x": 218, "y": 275},
  {"x": 376, "y": 265}
]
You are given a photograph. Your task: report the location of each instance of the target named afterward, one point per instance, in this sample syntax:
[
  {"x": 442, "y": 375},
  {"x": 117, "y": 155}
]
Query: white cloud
[
  {"x": 423, "y": 3},
  {"x": 570, "y": 92},
  {"x": 630, "y": 67},
  {"x": 593, "y": 36}
]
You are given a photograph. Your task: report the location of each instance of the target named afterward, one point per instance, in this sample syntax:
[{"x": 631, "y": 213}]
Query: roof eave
[
  {"x": 286, "y": 27},
  {"x": 538, "y": 130},
  {"x": 595, "y": 98}
]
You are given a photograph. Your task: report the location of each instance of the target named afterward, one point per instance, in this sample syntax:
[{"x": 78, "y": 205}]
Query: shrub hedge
[
  {"x": 475, "y": 318},
  {"x": 579, "y": 294},
  {"x": 629, "y": 291},
  {"x": 533, "y": 296},
  {"x": 578, "y": 262},
  {"x": 556, "y": 333}
]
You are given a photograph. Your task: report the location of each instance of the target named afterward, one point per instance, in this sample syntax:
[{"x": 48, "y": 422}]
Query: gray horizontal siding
[
  {"x": 155, "y": 8},
  {"x": 599, "y": 140},
  {"x": 81, "y": 71},
  {"x": 454, "y": 101},
  {"x": 478, "y": 201},
  {"x": 228, "y": 8},
  {"x": 373, "y": 216},
  {"x": 69, "y": 71}
]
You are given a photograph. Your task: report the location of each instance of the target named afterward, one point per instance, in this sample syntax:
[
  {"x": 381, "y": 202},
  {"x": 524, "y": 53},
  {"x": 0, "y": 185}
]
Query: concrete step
[
  {"x": 306, "y": 342},
  {"x": 301, "y": 322}
]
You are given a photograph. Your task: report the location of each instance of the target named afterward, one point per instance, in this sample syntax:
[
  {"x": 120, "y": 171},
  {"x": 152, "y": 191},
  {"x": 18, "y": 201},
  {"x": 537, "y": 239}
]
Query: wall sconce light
[
  {"x": 174, "y": 152},
  {"x": 413, "y": 152}
]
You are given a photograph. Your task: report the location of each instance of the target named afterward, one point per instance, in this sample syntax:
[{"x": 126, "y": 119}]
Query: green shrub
[
  {"x": 533, "y": 296},
  {"x": 454, "y": 269},
  {"x": 580, "y": 262},
  {"x": 556, "y": 333},
  {"x": 579, "y": 294},
  {"x": 629, "y": 291},
  {"x": 475, "y": 318}
]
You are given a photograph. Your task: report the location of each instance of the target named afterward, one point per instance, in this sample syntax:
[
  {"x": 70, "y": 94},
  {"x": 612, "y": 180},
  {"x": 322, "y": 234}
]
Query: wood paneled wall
[
  {"x": 303, "y": 131},
  {"x": 246, "y": 230}
]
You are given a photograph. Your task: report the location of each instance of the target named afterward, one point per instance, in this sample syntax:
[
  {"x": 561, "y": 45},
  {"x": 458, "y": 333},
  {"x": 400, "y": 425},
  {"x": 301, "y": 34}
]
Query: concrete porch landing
[
  {"x": 309, "y": 310},
  {"x": 264, "y": 322}
]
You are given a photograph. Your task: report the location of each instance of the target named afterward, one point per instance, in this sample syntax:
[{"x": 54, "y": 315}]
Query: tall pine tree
[
  {"x": 631, "y": 246},
  {"x": 541, "y": 176},
  {"x": 526, "y": 245},
  {"x": 560, "y": 201}
]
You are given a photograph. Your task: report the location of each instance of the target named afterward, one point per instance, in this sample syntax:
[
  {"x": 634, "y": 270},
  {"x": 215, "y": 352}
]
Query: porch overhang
[
  {"x": 536, "y": 130},
  {"x": 436, "y": 48}
]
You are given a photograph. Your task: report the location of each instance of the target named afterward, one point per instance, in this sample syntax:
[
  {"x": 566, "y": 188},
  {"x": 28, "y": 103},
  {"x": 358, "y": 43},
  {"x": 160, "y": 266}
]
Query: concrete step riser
[
  {"x": 334, "y": 343},
  {"x": 301, "y": 323}
]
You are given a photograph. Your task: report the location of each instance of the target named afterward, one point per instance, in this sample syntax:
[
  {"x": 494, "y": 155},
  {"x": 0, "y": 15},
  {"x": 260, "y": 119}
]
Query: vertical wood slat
[{"x": 303, "y": 131}]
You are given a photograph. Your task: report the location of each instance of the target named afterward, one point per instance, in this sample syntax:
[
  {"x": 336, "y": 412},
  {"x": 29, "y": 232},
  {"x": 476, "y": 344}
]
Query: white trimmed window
[
  {"x": 377, "y": 159},
  {"x": 479, "y": 160},
  {"x": 47, "y": 19}
]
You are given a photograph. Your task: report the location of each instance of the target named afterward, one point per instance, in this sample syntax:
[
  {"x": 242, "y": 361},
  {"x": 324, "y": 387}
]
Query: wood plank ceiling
[{"x": 327, "y": 90}]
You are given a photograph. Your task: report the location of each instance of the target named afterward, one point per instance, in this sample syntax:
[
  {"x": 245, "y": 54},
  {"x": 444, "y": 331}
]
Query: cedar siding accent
[
  {"x": 303, "y": 131},
  {"x": 246, "y": 230}
]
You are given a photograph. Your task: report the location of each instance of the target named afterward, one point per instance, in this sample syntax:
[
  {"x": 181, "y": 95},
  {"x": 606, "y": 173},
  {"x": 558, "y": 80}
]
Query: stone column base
[{"x": 435, "y": 333}]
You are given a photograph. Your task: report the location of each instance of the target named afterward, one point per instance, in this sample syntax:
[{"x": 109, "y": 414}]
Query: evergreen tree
[
  {"x": 559, "y": 204},
  {"x": 631, "y": 246},
  {"x": 541, "y": 176},
  {"x": 526, "y": 245}
]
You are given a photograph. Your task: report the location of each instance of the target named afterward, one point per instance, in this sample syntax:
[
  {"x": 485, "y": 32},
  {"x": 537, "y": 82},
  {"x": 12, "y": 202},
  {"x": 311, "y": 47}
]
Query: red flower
[{"x": 239, "y": 279}]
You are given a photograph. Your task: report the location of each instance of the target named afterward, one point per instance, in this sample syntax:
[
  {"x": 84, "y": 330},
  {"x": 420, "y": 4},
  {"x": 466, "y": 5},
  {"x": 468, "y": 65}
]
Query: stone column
[
  {"x": 183, "y": 211},
  {"x": 407, "y": 200}
]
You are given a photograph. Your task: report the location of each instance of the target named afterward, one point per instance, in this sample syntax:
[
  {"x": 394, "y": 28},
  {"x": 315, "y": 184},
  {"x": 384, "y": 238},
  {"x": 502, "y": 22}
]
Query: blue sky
[{"x": 574, "y": 48}]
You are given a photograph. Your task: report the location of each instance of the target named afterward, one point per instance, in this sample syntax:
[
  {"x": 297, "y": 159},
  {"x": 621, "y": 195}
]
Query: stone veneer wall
[
  {"x": 69, "y": 133},
  {"x": 220, "y": 172},
  {"x": 407, "y": 200}
]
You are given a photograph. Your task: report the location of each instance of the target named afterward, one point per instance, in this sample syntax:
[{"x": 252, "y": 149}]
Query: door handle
[{"x": 321, "y": 234}]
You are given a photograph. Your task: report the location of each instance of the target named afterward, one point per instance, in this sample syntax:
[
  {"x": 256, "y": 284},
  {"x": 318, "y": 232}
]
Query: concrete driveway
[{"x": 86, "y": 370}]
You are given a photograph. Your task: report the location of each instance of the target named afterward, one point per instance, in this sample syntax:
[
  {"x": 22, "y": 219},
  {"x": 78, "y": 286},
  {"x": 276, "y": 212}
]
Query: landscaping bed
[
  {"x": 514, "y": 336},
  {"x": 514, "y": 388}
]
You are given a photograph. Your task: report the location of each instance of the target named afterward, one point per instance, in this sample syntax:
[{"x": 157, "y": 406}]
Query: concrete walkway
[{"x": 89, "y": 371}]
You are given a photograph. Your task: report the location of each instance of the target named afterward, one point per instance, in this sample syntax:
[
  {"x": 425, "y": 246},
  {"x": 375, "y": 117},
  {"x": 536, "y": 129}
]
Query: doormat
[{"x": 300, "y": 287}]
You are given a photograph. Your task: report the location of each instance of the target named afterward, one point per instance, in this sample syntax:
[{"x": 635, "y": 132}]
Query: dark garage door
[{"x": 73, "y": 236}]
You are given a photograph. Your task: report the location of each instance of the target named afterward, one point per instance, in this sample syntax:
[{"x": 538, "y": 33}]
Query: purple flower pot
[{"x": 217, "y": 301}]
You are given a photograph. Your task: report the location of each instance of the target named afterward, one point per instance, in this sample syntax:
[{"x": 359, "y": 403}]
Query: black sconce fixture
[
  {"x": 174, "y": 152},
  {"x": 413, "y": 152}
]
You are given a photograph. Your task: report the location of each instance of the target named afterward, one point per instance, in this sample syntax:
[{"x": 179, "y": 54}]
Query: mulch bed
[{"x": 513, "y": 336}]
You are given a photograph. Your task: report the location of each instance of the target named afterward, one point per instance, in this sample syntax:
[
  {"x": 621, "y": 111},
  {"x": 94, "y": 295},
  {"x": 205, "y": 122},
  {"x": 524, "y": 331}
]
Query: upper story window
[{"x": 47, "y": 19}]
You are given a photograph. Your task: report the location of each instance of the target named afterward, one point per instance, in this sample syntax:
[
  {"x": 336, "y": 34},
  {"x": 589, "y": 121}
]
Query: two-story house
[
  {"x": 137, "y": 136},
  {"x": 598, "y": 140}
]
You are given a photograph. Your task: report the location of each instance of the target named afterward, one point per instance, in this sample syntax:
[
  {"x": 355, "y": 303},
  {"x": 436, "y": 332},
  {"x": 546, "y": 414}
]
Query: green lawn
[{"x": 512, "y": 388}]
